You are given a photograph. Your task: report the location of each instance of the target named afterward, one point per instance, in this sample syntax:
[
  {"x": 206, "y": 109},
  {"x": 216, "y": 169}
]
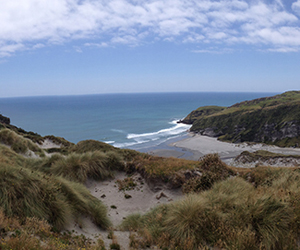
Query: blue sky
[{"x": 71, "y": 47}]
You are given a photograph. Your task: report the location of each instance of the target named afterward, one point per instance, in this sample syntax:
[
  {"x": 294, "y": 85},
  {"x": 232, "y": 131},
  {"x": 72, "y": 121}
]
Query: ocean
[{"x": 135, "y": 121}]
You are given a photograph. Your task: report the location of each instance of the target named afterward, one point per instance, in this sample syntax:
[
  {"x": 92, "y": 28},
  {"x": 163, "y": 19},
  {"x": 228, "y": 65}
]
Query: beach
[{"x": 194, "y": 146}]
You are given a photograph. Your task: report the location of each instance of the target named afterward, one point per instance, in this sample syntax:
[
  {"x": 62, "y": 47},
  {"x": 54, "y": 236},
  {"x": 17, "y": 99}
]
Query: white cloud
[
  {"x": 133, "y": 22},
  {"x": 8, "y": 49},
  {"x": 284, "y": 50},
  {"x": 212, "y": 50},
  {"x": 296, "y": 7},
  {"x": 98, "y": 45}
]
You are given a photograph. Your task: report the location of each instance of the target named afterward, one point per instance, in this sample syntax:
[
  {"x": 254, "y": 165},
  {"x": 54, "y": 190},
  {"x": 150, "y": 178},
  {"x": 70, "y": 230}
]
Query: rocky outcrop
[
  {"x": 273, "y": 132},
  {"x": 211, "y": 132},
  {"x": 247, "y": 159},
  {"x": 4, "y": 120}
]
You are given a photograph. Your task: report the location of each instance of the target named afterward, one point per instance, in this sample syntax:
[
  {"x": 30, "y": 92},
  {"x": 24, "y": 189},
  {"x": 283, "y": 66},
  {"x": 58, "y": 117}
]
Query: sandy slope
[
  {"x": 143, "y": 198},
  {"x": 47, "y": 143}
]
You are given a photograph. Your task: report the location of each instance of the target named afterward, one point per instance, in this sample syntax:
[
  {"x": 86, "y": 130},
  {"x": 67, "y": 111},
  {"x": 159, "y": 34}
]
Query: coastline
[{"x": 193, "y": 146}]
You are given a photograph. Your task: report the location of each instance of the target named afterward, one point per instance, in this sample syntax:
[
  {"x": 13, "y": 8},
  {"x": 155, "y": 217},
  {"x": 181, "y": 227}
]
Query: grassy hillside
[
  {"x": 225, "y": 207},
  {"x": 274, "y": 120}
]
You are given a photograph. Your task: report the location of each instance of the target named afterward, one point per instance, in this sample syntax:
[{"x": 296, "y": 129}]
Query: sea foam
[{"x": 159, "y": 136}]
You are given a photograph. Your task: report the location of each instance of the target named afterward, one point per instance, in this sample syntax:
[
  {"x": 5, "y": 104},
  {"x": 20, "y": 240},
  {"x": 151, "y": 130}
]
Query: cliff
[{"x": 273, "y": 120}]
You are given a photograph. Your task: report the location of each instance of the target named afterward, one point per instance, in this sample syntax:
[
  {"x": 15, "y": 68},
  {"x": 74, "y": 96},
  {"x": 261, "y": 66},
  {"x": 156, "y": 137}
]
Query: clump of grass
[
  {"x": 18, "y": 143},
  {"x": 126, "y": 184},
  {"x": 115, "y": 245},
  {"x": 25, "y": 193},
  {"x": 82, "y": 202},
  {"x": 164, "y": 168},
  {"x": 201, "y": 183},
  {"x": 79, "y": 167},
  {"x": 91, "y": 146},
  {"x": 132, "y": 222},
  {"x": 213, "y": 163},
  {"x": 10, "y": 157},
  {"x": 263, "y": 175},
  {"x": 213, "y": 170}
]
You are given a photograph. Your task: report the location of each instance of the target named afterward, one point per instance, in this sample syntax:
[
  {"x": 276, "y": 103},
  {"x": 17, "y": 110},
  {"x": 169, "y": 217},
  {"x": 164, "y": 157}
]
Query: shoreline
[{"x": 193, "y": 146}]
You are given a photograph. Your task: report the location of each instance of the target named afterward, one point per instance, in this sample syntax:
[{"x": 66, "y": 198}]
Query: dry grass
[
  {"x": 80, "y": 167},
  {"x": 232, "y": 215},
  {"x": 18, "y": 143},
  {"x": 27, "y": 193},
  {"x": 36, "y": 234},
  {"x": 162, "y": 167}
]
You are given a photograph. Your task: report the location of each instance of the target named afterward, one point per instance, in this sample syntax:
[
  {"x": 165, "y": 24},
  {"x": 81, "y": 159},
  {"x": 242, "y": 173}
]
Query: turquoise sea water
[{"x": 124, "y": 120}]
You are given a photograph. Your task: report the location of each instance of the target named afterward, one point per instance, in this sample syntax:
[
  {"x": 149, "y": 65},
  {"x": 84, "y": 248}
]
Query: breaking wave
[{"x": 158, "y": 136}]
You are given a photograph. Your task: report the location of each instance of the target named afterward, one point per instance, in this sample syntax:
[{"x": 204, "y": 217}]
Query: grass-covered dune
[
  {"x": 233, "y": 214},
  {"x": 41, "y": 190},
  {"x": 274, "y": 120}
]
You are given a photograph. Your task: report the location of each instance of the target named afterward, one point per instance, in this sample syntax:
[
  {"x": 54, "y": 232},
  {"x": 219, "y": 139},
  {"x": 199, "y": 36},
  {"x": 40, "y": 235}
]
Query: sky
[{"x": 75, "y": 47}]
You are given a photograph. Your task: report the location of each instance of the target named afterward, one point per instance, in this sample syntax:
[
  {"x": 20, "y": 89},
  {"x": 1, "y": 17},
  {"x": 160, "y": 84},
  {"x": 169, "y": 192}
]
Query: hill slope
[{"x": 274, "y": 120}]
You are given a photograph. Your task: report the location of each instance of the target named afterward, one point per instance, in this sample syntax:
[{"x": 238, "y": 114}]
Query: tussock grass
[
  {"x": 91, "y": 146},
  {"x": 83, "y": 202},
  {"x": 212, "y": 169},
  {"x": 132, "y": 222},
  {"x": 153, "y": 166},
  {"x": 79, "y": 167},
  {"x": 27, "y": 193},
  {"x": 18, "y": 143},
  {"x": 9, "y": 157},
  {"x": 232, "y": 215}
]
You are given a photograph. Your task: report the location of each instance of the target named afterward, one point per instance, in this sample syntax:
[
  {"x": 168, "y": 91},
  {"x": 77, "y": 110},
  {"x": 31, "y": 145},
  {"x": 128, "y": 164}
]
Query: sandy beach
[{"x": 195, "y": 146}]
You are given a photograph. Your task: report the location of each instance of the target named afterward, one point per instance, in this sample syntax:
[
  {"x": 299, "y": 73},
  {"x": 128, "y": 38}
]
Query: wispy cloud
[
  {"x": 134, "y": 22},
  {"x": 213, "y": 50}
]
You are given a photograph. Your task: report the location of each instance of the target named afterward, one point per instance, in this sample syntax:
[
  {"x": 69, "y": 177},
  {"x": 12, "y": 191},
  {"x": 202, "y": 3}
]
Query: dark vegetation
[{"x": 272, "y": 120}]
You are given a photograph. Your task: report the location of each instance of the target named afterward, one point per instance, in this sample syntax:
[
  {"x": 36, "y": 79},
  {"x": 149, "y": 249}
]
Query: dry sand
[
  {"x": 199, "y": 146},
  {"x": 143, "y": 198},
  {"x": 47, "y": 143}
]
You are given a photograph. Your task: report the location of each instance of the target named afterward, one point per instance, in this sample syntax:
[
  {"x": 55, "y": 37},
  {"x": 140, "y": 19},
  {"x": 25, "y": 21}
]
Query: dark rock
[{"x": 4, "y": 120}]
